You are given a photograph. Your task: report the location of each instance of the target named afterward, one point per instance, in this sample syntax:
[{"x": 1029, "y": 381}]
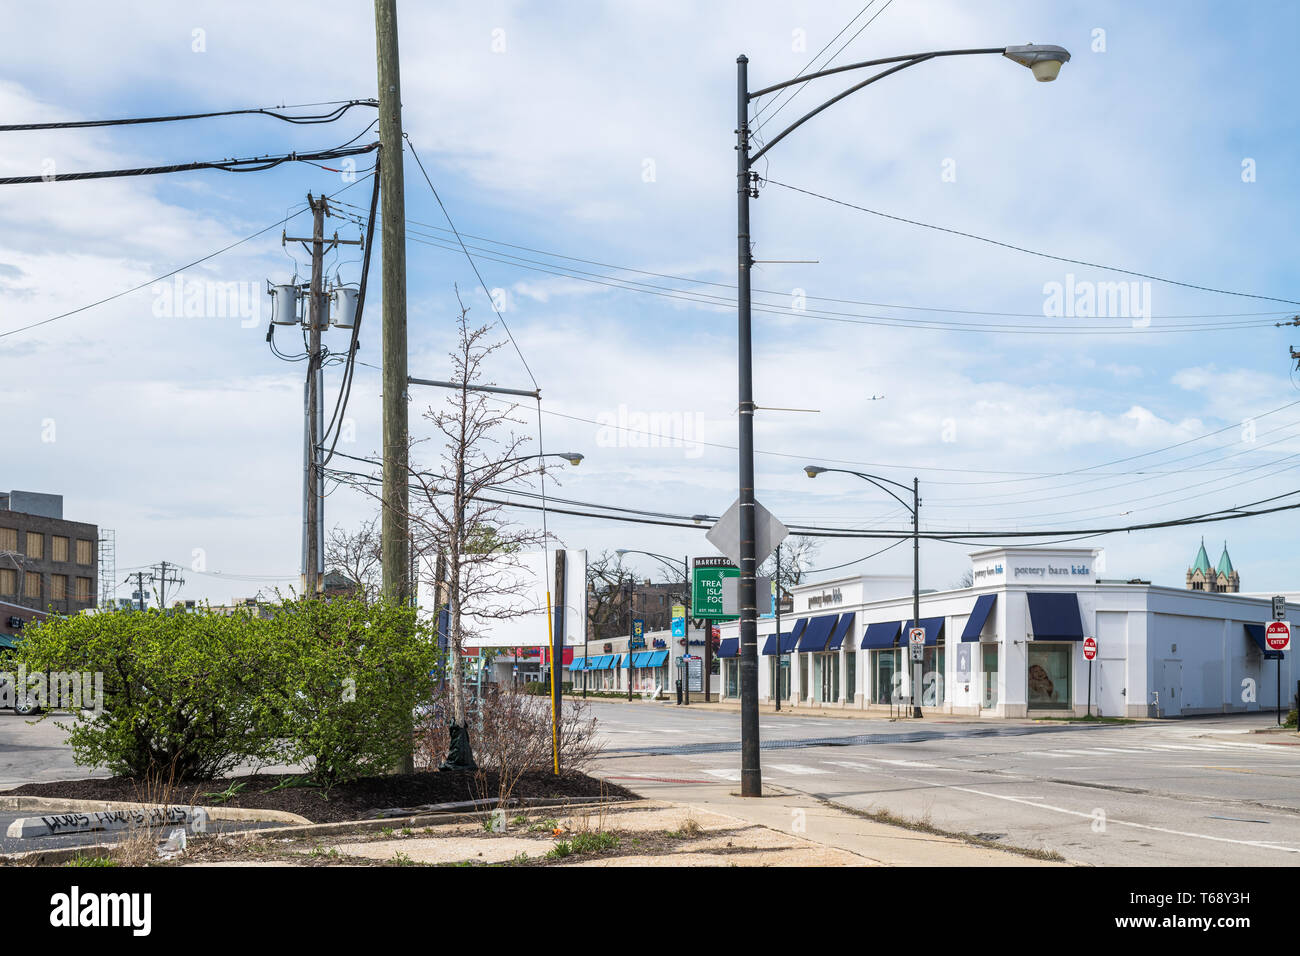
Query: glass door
[{"x": 989, "y": 668}]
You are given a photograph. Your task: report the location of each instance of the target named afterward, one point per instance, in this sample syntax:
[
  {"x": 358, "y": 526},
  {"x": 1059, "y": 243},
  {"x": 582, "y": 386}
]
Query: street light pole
[
  {"x": 751, "y": 778},
  {"x": 916, "y": 588},
  {"x": 1044, "y": 61},
  {"x": 915, "y": 508}
]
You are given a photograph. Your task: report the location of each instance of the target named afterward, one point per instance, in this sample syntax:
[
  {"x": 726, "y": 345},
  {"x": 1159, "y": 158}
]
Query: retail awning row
[
  {"x": 886, "y": 634},
  {"x": 1256, "y": 633},
  {"x": 978, "y": 617},
  {"x": 789, "y": 644},
  {"x": 649, "y": 659},
  {"x": 604, "y": 662},
  {"x": 1054, "y": 616},
  {"x": 817, "y": 634},
  {"x": 842, "y": 628}
]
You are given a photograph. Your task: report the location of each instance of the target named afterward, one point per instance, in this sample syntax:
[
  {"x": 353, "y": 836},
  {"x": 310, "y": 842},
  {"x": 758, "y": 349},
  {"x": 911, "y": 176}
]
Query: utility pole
[
  {"x": 162, "y": 574},
  {"x": 313, "y": 557},
  {"x": 396, "y": 498}
]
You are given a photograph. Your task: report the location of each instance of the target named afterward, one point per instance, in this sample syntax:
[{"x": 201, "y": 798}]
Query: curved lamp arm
[
  {"x": 1044, "y": 60},
  {"x": 813, "y": 471}
]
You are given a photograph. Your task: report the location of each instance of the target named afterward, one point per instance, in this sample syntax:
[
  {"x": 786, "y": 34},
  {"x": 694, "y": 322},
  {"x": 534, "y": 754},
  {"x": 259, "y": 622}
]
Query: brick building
[{"x": 46, "y": 563}]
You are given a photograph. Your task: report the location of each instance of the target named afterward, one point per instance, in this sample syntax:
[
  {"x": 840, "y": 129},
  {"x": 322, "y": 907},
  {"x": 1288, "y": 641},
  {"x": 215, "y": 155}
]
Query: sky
[{"x": 604, "y": 133}]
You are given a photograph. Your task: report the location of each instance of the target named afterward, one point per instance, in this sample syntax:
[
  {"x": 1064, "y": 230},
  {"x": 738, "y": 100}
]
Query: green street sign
[{"x": 706, "y": 587}]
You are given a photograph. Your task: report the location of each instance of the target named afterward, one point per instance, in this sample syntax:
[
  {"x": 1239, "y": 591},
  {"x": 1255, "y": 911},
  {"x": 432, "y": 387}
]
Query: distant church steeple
[{"x": 1222, "y": 578}]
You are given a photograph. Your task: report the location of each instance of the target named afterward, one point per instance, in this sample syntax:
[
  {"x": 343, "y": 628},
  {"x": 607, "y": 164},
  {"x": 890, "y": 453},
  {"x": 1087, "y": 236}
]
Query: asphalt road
[{"x": 1196, "y": 792}]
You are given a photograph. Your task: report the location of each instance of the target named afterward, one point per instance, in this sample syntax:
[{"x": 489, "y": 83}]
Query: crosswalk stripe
[
  {"x": 725, "y": 774},
  {"x": 794, "y": 768}
]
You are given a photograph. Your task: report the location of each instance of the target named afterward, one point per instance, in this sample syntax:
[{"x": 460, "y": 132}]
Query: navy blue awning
[
  {"x": 769, "y": 648},
  {"x": 933, "y": 628},
  {"x": 975, "y": 623},
  {"x": 1256, "y": 632},
  {"x": 817, "y": 633},
  {"x": 789, "y": 643},
  {"x": 881, "y": 634},
  {"x": 1054, "y": 616},
  {"x": 841, "y": 631},
  {"x": 797, "y": 631},
  {"x": 730, "y": 647}
]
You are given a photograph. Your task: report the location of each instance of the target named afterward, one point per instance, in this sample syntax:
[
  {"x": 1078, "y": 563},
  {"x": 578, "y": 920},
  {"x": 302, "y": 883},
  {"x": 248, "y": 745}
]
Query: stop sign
[
  {"x": 1089, "y": 648},
  {"x": 1277, "y": 635}
]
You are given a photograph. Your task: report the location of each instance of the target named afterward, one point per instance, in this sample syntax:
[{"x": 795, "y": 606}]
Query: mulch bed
[{"x": 346, "y": 801}]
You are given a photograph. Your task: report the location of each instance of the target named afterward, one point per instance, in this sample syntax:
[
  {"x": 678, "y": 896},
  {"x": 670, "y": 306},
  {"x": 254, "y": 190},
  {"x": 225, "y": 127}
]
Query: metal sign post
[
  {"x": 1277, "y": 637},
  {"x": 1089, "y": 655}
]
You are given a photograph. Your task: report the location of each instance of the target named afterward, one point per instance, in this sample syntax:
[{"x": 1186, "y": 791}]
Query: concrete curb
[
  {"x": 59, "y": 855},
  {"x": 60, "y": 805}
]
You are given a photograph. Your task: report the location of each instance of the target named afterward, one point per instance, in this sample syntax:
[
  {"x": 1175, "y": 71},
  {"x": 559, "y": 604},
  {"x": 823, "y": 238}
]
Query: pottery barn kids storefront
[{"x": 1011, "y": 645}]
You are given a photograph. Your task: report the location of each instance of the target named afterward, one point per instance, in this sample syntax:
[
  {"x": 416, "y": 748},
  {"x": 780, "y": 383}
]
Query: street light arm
[
  {"x": 812, "y": 471},
  {"x": 835, "y": 99},
  {"x": 866, "y": 63}
]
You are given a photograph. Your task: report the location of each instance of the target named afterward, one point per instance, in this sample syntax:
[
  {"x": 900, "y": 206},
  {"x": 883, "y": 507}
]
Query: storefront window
[
  {"x": 733, "y": 678},
  {"x": 803, "y": 676},
  {"x": 850, "y": 675},
  {"x": 932, "y": 677},
  {"x": 780, "y": 668},
  {"x": 1049, "y": 675},
  {"x": 990, "y": 674},
  {"x": 886, "y": 676}
]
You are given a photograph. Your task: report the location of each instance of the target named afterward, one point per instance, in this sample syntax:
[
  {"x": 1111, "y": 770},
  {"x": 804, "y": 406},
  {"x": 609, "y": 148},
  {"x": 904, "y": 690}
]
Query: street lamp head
[
  {"x": 1043, "y": 60},
  {"x": 699, "y": 519},
  {"x": 572, "y": 457},
  {"x": 620, "y": 551},
  {"x": 813, "y": 470}
]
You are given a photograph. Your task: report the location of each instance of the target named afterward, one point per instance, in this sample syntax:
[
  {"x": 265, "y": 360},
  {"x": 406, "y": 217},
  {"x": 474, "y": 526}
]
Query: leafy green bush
[
  {"x": 183, "y": 692},
  {"x": 348, "y": 676}
]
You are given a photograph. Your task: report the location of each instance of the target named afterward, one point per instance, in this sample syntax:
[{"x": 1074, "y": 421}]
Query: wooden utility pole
[
  {"x": 316, "y": 314},
  {"x": 396, "y": 499}
]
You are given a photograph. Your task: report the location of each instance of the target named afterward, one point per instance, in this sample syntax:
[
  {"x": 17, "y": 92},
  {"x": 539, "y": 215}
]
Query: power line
[
  {"x": 851, "y": 318},
  {"x": 251, "y": 165},
  {"x": 167, "y": 275},
  {"x": 683, "y": 521},
  {"x": 1032, "y": 252},
  {"x": 308, "y": 120},
  {"x": 783, "y": 293}
]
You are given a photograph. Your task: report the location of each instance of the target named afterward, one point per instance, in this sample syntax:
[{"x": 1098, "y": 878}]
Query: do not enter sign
[
  {"x": 1277, "y": 635},
  {"x": 1089, "y": 648}
]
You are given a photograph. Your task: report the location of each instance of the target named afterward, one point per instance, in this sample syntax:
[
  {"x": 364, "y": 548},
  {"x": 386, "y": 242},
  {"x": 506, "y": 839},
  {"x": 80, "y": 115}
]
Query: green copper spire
[
  {"x": 1225, "y": 562},
  {"x": 1202, "y": 560}
]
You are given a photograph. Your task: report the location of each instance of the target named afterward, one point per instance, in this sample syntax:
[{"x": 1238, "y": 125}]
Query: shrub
[
  {"x": 183, "y": 692},
  {"x": 349, "y": 675}
]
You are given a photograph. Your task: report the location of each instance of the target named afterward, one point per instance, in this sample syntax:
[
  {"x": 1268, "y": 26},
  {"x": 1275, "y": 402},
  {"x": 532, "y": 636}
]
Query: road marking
[
  {"x": 1262, "y": 844},
  {"x": 1117, "y": 750},
  {"x": 727, "y": 774},
  {"x": 794, "y": 768},
  {"x": 850, "y": 765}
]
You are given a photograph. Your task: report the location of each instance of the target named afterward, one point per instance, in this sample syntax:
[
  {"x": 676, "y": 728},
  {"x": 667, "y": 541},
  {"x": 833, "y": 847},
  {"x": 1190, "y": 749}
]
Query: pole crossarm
[
  {"x": 458, "y": 386},
  {"x": 903, "y": 62}
]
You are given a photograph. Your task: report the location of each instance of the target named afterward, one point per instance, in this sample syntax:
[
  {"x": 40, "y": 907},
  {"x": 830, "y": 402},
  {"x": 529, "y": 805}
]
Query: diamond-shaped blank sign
[{"x": 768, "y": 533}]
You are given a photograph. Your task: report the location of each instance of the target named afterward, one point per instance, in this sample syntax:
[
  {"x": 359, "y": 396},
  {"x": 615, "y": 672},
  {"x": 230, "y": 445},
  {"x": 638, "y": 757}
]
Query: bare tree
[
  {"x": 608, "y": 585},
  {"x": 797, "y": 555},
  {"x": 452, "y": 514},
  {"x": 357, "y": 554}
]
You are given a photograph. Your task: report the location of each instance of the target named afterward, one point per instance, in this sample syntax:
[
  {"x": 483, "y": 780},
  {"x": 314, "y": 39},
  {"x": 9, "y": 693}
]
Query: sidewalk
[{"x": 870, "y": 842}]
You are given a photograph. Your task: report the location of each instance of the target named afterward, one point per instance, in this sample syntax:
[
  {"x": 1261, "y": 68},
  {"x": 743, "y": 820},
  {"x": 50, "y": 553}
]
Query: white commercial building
[{"x": 1011, "y": 645}]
